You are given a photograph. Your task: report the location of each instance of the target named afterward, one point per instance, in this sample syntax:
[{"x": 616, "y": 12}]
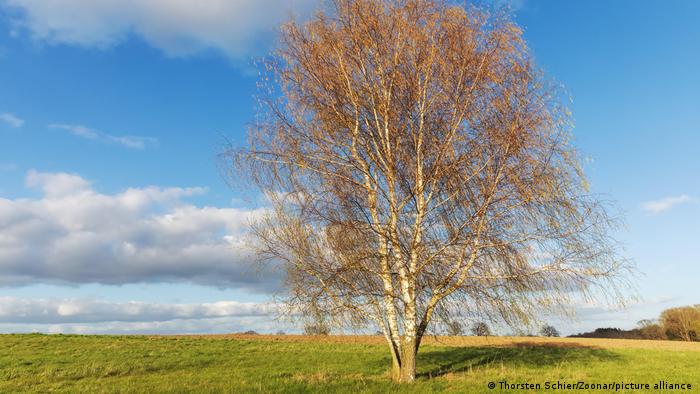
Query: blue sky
[{"x": 112, "y": 112}]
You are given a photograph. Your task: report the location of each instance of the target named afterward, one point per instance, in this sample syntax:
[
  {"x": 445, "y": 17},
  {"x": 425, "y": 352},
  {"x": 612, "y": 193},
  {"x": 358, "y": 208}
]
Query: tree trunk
[
  {"x": 395, "y": 369},
  {"x": 408, "y": 360}
]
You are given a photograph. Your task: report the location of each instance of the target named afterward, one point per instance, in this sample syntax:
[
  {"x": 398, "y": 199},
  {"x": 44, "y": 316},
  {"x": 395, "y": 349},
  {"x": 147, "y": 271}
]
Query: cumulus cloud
[
  {"x": 11, "y": 120},
  {"x": 127, "y": 141},
  {"x": 88, "y": 316},
  {"x": 56, "y": 184},
  {"x": 222, "y": 325},
  {"x": 55, "y": 311},
  {"x": 73, "y": 235},
  {"x": 665, "y": 204},
  {"x": 177, "y": 27}
]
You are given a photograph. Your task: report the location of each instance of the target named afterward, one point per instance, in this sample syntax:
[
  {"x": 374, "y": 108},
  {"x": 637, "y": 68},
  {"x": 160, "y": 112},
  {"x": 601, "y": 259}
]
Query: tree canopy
[{"x": 415, "y": 160}]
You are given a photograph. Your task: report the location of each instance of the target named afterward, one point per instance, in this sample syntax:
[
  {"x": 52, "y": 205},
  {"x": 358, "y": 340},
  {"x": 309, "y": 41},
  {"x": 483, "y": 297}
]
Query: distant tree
[
  {"x": 609, "y": 332},
  {"x": 250, "y": 332},
  {"x": 316, "y": 329},
  {"x": 549, "y": 331},
  {"x": 379, "y": 333},
  {"x": 480, "y": 329},
  {"x": 454, "y": 328},
  {"x": 316, "y": 321},
  {"x": 413, "y": 156},
  {"x": 650, "y": 329},
  {"x": 646, "y": 323},
  {"x": 280, "y": 332},
  {"x": 612, "y": 333},
  {"x": 682, "y": 323}
]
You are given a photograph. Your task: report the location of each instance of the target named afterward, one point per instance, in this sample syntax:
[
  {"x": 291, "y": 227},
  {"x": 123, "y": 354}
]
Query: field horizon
[{"x": 442, "y": 340}]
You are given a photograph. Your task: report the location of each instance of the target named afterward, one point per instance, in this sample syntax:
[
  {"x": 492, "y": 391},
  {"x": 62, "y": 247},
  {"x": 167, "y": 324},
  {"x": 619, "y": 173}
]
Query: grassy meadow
[{"x": 335, "y": 364}]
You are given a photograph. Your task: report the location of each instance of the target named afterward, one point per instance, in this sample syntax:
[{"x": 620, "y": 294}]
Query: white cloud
[
  {"x": 221, "y": 325},
  {"x": 56, "y": 185},
  {"x": 54, "y": 311},
  {"x": 89, "y": 316},
  {"x": 11, "y": 119},
  {"x": 74, "y": 235},
  {"x": 77, "y": 130},
  {"x": 665, "y": 204},
  {"x": 131, "y": 141},
  {"x": 91, "y": 134},
  {"x": 177, "y": 27}
]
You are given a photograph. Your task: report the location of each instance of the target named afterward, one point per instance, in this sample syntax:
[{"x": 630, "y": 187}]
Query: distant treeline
[{"x": 681, "y": 324}]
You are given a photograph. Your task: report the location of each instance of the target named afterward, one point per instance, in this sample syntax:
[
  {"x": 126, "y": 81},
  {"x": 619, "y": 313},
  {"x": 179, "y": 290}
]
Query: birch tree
[{"x": 415, "y": 160}]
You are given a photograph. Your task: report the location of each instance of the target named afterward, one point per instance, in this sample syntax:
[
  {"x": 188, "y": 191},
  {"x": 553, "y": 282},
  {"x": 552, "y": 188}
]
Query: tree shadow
[{"x": 438, "y": 361}]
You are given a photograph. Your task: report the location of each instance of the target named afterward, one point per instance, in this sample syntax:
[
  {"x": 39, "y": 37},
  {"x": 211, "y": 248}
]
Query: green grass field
[{"x": 72, "y": 363}]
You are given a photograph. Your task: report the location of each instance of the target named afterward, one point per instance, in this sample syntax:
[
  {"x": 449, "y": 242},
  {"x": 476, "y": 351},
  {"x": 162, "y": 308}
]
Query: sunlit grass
[{"x": 69, "y": 363}]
